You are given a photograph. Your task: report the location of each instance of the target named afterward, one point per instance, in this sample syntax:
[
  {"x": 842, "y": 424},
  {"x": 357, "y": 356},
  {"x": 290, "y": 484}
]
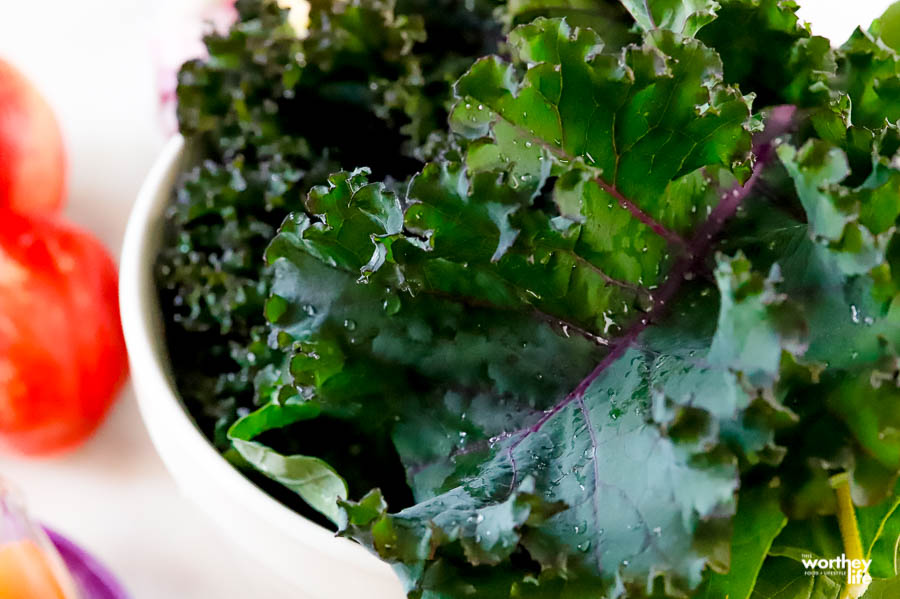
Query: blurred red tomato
[
  {"x": 32, "y": 157},
  {"x": 62, "y": 355}
]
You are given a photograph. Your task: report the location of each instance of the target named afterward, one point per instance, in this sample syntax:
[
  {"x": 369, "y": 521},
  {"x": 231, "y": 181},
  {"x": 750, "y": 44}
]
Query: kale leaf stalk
[
  {"x": 779, "y": 122},
  {"x": 671, "y": 236},
  {"x": 658, "y": 228}
]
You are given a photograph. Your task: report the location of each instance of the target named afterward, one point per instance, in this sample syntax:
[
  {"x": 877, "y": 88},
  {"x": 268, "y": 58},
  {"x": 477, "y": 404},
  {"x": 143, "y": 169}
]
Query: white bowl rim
[{"x": 134, "y": 300}]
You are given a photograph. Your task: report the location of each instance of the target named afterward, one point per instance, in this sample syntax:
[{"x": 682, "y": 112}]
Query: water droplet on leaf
[{"x": 392, "y": 304}]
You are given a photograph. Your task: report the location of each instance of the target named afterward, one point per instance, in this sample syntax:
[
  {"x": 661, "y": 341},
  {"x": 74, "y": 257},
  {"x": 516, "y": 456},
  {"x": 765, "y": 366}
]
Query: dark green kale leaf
[
  {"x": 272, "y": 115},
  {"x": 767, "y": 50},
  {"x": 607, "y": 16},
  {"x": 473, "y": 275},
  {"x": 683, "y": 17},
  {"x": 621, "y": 336},
  {"x": 758, "y": 521}
]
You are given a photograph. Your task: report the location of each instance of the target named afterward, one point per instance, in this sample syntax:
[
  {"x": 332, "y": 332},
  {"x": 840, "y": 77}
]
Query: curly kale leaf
[
  {"x": 766, "y": 49},
  {"x": 684, "y": 17},
  {"x": 758, "y": 521},
  {"x": 481, "y": 291},
  {"x": 580, "y": 223},
  {"x": 602, "y": 126},
  {"x": 272, "y": 116},
  {"x": 617, "y": 337}
]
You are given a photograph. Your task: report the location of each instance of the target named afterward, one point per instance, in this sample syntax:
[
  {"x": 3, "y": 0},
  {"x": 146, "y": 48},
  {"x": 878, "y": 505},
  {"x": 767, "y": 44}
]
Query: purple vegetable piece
[{"x": 94, "y": 581}]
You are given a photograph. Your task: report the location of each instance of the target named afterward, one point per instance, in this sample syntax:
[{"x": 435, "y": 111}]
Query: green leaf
[
  {"x": 313, "y": 479},
  {"x": 684, "y": 17},
  {"x": 883, "y": 589},
  {"x": 819, "y": 538},
  {"x": 479, "y": 277},
  {"x": 499, "y": 252},
  {"x": 815, "y": 168},
  {"x": 755, "y": 323},
  {"x": 765, "y": 48},
  {"x": 595, "y": 340},
  {"x": 783, "y": 578},
  {"x": 873, "y": 423},
  {"x": 868, "y": 74},
  {"x": 879, "y": 528},
  {"x": 610, "y": 18},
  {"x": 855, "y": 222},
  {"x": 617, "y": 177},
  {"x": 635, "y": 101},
  {"x": 840, "y": 411},
  {"x": 471, "y": 458},
  {"x": 758, "y": 521},
  {"x": 377, "y": 75},
  {"x": 887, "y": 26}
]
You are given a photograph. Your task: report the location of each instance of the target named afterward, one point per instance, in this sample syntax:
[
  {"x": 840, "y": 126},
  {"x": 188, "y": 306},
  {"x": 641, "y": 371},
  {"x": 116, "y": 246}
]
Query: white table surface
[{"x": 91, "y": 58}]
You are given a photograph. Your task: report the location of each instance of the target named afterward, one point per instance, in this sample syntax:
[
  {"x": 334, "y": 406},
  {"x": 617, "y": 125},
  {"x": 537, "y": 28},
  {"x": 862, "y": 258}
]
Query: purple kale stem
[
  {"x": 635, "y": 210},
  {"x": 610, "y": 188},
  {"x": 649, "y": 14},
  {"x": 779, "y": 122}
]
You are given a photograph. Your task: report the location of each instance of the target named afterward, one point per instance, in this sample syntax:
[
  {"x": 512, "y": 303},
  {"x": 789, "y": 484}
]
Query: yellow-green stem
[{"x": 846, "y": 515}]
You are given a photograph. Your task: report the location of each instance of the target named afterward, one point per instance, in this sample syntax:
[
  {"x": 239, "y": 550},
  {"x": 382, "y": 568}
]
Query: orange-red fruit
[
  {"x": 32, "y": 157},
  {"x": 62, "y": 354}
]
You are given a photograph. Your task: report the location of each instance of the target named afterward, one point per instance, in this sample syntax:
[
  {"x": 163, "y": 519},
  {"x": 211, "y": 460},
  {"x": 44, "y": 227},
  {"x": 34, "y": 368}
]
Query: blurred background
[{"x": 104, "y": 66}]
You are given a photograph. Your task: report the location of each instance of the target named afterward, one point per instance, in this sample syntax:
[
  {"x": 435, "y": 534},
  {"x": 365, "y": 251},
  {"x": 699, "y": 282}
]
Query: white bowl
[{"x": 287, "y": 544}]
